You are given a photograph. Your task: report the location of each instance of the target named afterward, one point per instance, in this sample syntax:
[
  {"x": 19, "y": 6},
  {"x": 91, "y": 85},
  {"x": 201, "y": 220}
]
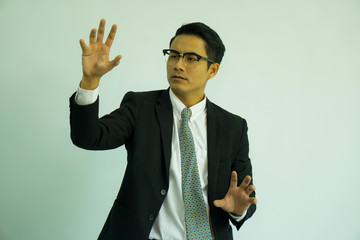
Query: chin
[{"x": 176, "y": 88}]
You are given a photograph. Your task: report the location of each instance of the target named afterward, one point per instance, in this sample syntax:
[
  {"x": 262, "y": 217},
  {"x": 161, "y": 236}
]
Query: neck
[{"x": 190, "y": 99}]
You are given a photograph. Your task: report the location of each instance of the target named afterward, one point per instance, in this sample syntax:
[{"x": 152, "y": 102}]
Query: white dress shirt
[{"x": 170, "y": 222}]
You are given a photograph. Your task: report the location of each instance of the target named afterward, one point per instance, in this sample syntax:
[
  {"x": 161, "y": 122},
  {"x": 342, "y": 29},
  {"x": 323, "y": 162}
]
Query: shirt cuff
[
  {"x": 238, "y": 218},
  {"x": 86, "y": 97}
]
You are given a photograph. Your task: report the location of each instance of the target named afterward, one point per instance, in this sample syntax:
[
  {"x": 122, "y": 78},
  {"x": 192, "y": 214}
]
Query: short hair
[{"x": 214, "y": 47}]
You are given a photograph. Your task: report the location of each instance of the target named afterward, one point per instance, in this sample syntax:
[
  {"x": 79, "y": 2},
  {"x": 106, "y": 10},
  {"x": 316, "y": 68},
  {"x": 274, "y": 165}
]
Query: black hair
[{"x": 214, "y": 47}]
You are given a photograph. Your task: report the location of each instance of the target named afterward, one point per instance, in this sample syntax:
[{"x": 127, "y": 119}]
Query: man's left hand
[{"x": 237, "y": 199}]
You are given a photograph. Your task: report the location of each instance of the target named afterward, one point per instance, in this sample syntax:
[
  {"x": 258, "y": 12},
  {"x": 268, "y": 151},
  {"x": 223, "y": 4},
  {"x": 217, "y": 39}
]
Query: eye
[
  {"x": 173, "y": 56},
  {"x": 191, "y": 58}
]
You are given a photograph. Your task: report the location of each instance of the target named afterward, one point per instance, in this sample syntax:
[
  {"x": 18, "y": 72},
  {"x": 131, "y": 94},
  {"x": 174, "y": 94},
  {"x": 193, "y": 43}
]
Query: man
[{"x": 188, "y": 172}]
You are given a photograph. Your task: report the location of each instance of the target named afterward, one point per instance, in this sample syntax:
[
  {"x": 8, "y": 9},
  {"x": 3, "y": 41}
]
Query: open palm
[
  {"x": 95, "y": 56},
  {"x": 237, "y": 199}
]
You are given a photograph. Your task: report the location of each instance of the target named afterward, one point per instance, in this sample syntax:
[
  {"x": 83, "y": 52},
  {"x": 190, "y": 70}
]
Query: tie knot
[{"x": 186, "y": 114}]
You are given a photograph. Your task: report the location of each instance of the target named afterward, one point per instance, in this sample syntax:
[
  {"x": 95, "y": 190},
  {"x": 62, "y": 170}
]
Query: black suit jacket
[{"x": 144, "y": 122}]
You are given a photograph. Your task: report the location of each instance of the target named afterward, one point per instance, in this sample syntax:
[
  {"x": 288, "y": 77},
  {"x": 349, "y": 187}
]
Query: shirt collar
[{"x": 178, "y": 106}]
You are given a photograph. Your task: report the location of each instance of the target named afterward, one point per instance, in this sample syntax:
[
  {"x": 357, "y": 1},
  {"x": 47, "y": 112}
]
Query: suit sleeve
[
  {"x": 110, "y": 131},
  {"x": 242, "y": 166}
]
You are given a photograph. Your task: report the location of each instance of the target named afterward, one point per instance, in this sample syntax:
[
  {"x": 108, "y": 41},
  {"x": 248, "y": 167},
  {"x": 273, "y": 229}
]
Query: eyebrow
[{"x": 185, "y": 52}]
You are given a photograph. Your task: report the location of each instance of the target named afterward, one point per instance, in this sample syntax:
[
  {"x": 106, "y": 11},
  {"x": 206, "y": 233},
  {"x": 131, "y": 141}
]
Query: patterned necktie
[{"x": 196, "y": 219}]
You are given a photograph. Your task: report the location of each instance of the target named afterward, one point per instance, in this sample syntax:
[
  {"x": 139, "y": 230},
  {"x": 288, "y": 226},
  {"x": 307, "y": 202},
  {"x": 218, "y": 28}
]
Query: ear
[{"x": 213, "y": 69}]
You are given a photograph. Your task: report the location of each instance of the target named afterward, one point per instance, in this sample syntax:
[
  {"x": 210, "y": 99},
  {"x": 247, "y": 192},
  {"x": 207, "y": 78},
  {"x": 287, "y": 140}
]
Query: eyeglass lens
[{"x": 188, "y": 59}]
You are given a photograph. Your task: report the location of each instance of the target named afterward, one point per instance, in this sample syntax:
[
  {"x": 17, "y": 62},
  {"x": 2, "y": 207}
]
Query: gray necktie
[{"x": 196, "y": 219}]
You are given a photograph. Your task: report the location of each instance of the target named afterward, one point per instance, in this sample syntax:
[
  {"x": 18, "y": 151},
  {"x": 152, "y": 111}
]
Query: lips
[{"x": 178, "y": 77}]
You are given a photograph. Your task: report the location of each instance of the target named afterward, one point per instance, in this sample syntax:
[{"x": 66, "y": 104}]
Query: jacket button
[
  {"x": 163, "y": 192},
  {"x": 151, "y": 217}
]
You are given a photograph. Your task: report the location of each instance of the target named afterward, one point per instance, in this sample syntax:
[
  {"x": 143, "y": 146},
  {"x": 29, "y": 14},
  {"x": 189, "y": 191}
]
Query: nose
[{"x": 180, "y": 65}]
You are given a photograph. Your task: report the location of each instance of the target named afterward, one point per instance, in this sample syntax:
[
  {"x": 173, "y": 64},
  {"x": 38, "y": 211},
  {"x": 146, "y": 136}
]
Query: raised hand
[
  {"x": 237, "y": 199},
  {"x": 95, "y": 56}
]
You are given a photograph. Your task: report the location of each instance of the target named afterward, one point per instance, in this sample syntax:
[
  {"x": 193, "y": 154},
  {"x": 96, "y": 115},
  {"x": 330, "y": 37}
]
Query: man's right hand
[{"x": 95, "y": 57}]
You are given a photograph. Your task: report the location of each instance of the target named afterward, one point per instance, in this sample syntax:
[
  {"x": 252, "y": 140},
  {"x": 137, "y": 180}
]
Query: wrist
[
  {"x": 89, "y": 83},
  {"x": 237, "y": 214}
]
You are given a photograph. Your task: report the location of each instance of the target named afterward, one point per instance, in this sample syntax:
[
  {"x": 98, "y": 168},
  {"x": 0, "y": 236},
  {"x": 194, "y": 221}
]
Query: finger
[
  {"x": 250, "y": 189},
  {"x": 92, "y": 36},
  {"x": 253, "y": 200},
  {"x": 111, "y": 36},
  {"x": 219, "y": 203},
  {"x": 245, "y": 182},
  {"x": 233, "y": 182},
  {"x": 100, "y": 34},
  {"x": 82, "y": 44},
  {"x": 116, "y": 61}
]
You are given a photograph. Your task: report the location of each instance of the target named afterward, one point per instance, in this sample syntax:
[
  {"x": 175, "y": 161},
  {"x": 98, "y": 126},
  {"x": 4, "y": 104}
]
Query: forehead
[{"x": 189, "y": 43}]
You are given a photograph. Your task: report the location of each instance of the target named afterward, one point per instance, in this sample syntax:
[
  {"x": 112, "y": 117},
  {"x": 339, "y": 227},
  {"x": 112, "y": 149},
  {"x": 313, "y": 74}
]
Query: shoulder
[
  {"x": 147, "y": 94},
  {"x": 145, "y": 97},
  {"x": 234, "y": 127},
  {"x": 223, "y": 114}
]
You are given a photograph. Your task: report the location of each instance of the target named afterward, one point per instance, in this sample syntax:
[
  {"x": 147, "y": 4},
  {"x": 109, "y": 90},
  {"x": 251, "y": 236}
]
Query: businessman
[{"x": 188, "y": 172}]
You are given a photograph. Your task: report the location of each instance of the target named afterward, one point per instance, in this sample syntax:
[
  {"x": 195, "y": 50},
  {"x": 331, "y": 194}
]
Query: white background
[{"x": 291, "y": 69}]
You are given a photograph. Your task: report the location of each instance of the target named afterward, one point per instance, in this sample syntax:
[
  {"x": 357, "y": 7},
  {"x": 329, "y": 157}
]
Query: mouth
[{"x": 178, "y": 77}]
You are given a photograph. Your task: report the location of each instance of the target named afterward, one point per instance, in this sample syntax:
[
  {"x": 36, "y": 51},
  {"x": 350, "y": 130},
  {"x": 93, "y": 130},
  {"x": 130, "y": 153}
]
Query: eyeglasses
[{"x": 190, "y": 59}]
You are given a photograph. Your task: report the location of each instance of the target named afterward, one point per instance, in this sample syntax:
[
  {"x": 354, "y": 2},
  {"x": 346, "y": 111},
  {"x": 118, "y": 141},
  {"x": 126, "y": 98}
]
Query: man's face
[{"x": 186, "y": 81}]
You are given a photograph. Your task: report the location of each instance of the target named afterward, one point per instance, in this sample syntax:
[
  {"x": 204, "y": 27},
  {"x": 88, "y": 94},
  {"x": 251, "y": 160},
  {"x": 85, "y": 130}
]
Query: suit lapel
[
  {"x": 164, "y": 114},
  {"x": 214, "y": 147}
]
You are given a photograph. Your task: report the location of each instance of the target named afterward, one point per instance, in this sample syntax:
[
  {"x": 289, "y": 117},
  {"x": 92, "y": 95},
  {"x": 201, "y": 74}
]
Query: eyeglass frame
[{"x": 168, "y": 51}]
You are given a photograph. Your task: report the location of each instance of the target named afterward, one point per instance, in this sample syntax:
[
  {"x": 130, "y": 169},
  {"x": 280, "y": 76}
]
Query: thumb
[
  {"x": 116, "y": 61},
  {"x": 219, "y": 203}
]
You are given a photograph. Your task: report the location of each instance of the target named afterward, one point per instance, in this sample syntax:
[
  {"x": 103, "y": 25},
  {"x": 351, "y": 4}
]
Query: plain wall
[{"x": 291, "y": 69}]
